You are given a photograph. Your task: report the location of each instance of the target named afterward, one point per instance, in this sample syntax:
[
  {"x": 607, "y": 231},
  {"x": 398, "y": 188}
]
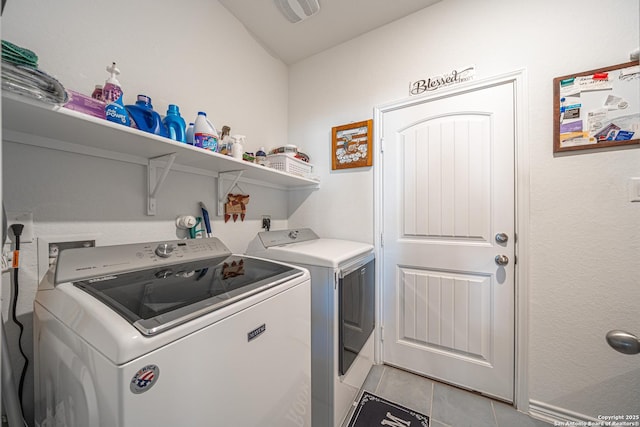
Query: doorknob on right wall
[{"x": 624, "y": 342}]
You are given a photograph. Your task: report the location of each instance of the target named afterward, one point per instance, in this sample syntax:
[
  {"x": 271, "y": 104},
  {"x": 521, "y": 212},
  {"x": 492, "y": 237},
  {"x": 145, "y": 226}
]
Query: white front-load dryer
[{"x": 342, "y": 313}]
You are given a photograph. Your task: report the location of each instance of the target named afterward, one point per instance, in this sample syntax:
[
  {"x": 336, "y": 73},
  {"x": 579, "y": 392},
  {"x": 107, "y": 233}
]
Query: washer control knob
[
  {"x": 293, "y": 234},
  {"x": 164, "y": 250}
]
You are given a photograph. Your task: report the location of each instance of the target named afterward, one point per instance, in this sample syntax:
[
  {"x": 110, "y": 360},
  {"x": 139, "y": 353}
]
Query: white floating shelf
[{"x": 30, "y": 122}]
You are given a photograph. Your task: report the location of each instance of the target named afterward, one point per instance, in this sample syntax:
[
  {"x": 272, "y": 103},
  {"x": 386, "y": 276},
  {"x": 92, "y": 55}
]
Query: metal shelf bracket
[
  {"x": 153, "y": 182},
  {"x": 222, "y": 193}
]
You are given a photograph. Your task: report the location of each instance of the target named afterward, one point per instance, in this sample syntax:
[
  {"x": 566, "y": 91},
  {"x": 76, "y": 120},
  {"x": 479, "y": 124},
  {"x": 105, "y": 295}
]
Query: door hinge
[
  {"x": 381, "y": 333},
  {"x": 382, "y": 239},
  {"x": 382, "y": 145}
]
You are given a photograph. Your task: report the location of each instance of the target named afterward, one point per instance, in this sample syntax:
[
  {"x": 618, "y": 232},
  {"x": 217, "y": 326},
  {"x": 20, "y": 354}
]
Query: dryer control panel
[
  {"x": 285, "y": 237},
  {"x": 84, "y": 263}
]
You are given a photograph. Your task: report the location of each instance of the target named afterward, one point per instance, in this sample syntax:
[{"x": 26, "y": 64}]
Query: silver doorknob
[
  {"x": 502, "y": 259},
  {"x": 624, "y": 342},
  {"x": 502, "y": 238}
]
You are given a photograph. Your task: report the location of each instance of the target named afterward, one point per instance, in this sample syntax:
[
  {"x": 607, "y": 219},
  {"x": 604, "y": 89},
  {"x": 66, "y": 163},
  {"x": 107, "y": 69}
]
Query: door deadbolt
[
  {"x": 502, "y": 259},
  {"x": 502, "y": 238}
]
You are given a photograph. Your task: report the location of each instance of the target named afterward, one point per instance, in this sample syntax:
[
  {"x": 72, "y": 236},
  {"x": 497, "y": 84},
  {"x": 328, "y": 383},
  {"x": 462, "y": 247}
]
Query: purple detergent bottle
[{"x": 112, "y": 95}]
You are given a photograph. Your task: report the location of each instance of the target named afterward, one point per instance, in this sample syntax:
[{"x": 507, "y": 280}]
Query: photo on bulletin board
[
  {"x": 596, "y": 109},
  {"x": 352, "y": 145}
]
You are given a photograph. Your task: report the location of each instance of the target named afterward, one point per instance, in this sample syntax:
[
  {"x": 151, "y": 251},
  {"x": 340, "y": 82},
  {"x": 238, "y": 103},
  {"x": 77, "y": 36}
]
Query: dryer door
[{"x": 357, "y": 315}]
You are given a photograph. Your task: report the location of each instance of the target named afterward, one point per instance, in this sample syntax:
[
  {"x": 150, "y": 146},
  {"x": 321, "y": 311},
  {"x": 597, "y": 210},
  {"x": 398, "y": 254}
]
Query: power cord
[{"x": 17, "y": 232}]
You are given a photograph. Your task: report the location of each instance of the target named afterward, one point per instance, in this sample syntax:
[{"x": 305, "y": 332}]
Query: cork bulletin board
[{"x": 596, "y": 109}]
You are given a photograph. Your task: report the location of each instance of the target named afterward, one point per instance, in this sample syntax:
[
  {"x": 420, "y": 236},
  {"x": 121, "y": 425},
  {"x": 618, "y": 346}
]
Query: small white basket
[{"x": 285, "y": 163}]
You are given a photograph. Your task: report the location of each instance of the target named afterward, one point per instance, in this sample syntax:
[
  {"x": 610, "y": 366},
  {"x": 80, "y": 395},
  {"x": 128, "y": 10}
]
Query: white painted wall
[
  {"x": 585, "y": 235},
  {"x": 194, "y": 54}
]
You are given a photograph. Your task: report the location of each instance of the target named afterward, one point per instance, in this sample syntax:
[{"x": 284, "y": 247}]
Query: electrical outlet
[
  {"x": 266, "y": 222},
  {"x": 24, "y": 218}
]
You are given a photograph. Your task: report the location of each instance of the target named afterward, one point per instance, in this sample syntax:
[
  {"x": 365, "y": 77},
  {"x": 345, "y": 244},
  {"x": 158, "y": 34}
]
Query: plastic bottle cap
[
  {"x": 173, "y": 109},
  {"x": 202, "y": 113}
]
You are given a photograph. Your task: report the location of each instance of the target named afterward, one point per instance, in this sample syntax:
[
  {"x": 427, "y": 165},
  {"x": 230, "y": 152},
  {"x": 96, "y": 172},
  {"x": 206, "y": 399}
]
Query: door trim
[{"x": 522, "y": 185}]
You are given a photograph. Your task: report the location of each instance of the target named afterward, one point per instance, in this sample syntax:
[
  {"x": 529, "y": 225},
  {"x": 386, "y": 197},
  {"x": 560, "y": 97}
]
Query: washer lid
[
  {"x": 157, "y": 299},
  {"x": 319, "y": 252}
]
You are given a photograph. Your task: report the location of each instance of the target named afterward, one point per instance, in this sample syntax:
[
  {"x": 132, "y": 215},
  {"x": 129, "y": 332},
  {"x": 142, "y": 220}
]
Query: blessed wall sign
[{"x": 434, "y": 83}]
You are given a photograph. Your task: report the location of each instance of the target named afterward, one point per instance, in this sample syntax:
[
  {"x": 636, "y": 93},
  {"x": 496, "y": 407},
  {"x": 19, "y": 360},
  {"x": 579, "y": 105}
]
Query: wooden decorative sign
[
  {"x": 430, "y": 84},
  {"x": 352, "y": 145}
]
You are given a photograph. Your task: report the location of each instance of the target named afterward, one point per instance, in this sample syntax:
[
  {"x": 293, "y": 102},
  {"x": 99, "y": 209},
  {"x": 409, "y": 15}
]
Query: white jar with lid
[{"x": 261, "y": 157}]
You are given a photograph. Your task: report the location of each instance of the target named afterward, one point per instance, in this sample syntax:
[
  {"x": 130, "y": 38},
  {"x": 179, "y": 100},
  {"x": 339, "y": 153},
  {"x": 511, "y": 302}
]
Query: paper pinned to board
[
  {"x": 590, "y": 83},
  {"x": 630, "y": 73},
  {"x": 573, "y": 139},
  {"x": 575, "y": 85},
  {"x": 615, "y": 103},
  {"x": 596, "y": 119}
]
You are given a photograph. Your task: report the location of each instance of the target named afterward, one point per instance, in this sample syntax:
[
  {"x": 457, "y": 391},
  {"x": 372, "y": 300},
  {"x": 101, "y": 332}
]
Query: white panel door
[{"x": 448, "y": 190}]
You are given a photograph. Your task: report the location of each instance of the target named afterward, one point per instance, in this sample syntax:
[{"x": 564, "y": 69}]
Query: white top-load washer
[
  {"x": 342, "y": 313},
  {"x": 179, "y": 333}
]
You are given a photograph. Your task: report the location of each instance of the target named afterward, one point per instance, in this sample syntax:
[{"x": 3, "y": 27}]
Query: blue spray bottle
[{"x": 112, "y": 95}]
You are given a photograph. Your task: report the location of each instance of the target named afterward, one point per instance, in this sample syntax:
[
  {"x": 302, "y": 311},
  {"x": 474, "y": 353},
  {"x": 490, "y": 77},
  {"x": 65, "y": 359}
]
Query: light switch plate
[{"x": 634, "y": 189}]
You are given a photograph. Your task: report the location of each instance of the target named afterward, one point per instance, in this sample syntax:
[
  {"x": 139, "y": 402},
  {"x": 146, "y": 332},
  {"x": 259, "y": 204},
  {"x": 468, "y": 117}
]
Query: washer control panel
[{"x": 84, "y": 263}]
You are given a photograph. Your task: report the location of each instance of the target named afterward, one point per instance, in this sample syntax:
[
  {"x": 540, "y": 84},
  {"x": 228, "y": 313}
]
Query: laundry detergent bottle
[
  {"x": 175, "y": 124},
  {"x": 204, "y": 133},
  {"x": 190, "y": 137},
  {"x": 112, "y": 96},
  {"x": 144, "y": 118}
]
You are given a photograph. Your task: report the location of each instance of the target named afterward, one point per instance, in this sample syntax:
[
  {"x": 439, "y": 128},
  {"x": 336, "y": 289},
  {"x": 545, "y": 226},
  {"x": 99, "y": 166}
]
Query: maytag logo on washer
[
  {"x": 144, "y": 379},
  {"x": 256, "y": 332}
]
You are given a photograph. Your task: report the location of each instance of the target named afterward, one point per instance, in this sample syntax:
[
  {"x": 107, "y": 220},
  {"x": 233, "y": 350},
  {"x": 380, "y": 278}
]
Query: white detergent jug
[{"x": 205, "y": 134}]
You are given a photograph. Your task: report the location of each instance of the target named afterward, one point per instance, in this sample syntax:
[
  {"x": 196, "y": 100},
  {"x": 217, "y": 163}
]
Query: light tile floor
[{"x": 446, "y": 406}]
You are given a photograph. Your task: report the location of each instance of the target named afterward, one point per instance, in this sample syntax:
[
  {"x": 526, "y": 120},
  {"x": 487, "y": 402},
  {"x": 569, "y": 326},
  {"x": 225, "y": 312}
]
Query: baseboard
[{"x": 555, "y": 415}]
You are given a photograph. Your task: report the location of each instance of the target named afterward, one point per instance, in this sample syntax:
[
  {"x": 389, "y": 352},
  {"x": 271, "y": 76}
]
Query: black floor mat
[{"x": 374, "y": 411}]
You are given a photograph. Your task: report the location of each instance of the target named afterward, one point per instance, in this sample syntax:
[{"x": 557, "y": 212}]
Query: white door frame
[{"x": 521, "y": 304}]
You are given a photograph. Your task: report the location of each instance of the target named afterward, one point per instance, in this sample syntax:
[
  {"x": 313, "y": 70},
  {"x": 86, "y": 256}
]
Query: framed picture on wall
[
  {"x": 598, "y": 108},
  {"x": 352, "y": 145}
]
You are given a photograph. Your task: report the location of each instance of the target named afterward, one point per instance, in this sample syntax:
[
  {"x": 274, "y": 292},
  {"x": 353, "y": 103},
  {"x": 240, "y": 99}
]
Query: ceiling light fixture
[{"x": 297, "y": 10}]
